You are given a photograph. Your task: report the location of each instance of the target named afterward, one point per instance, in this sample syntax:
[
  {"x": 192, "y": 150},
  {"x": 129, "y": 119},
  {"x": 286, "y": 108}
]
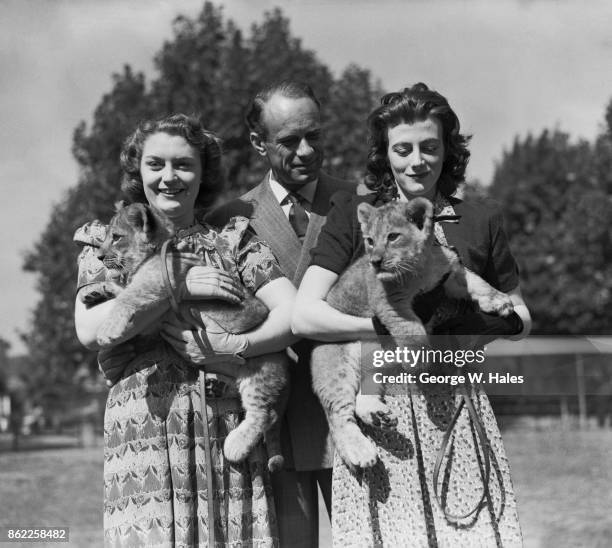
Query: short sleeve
[
  {"x": 92, "y": 274},
  {"x": 502, "y": 270},
  {"x": 335, "y": 247},
  {"x": 256, "y": 263}
]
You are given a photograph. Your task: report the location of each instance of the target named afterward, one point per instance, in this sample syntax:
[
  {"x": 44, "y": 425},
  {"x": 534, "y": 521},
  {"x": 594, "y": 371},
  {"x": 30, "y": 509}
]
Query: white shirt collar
[{"x": 280, "y": 192}]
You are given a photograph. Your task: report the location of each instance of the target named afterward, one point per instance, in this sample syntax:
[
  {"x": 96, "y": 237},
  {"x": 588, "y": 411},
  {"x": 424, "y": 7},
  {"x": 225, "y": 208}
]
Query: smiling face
[
  {"x": 416, "y": 156},
  {"x": 171, "y": 173},
  {"x": 292, "y": 144}
]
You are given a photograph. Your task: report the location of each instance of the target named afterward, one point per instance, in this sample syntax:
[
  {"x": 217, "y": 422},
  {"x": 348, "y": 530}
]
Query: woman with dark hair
[
  {"x": 205, "y": 142},
  {"x": 417, "y": 150},
  {"x": 156, "y": 485}
]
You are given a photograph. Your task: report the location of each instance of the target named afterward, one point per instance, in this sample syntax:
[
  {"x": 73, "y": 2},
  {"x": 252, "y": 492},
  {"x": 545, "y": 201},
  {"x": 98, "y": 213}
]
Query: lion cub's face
[
  {"x": 396, "y": 237},
  {"x": 133, "y": 235}
]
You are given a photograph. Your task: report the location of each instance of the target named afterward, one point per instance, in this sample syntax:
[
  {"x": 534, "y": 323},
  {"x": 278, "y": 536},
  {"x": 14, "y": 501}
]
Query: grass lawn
[
  {"x": 562, "y": 479},
  {"x": 563, "y": 482},
  {"x": 57, "y": 487}
]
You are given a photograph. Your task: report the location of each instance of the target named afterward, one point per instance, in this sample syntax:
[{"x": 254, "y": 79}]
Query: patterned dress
[
  {"x": 394, "y": 504},
  {"x": 155, "y": 488}
]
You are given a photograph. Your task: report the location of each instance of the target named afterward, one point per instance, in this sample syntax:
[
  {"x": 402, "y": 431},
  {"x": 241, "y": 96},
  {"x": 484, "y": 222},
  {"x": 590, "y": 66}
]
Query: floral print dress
[{"x": 155, "y": 485}]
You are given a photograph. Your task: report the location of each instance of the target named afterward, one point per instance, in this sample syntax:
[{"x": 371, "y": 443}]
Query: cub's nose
[
  {"x": 376, "y": 261},
  {"x": 101, "y": 254}
]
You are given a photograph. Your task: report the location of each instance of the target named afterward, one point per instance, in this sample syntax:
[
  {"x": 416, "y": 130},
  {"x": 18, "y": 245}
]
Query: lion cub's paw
[
  {"x": 354, "y": 448},
  {"x": 239, "y": 444},
  {"x": 373, "y": 412},
  {"x": 275, "y": 463},
  {"x": 496, "y": 302}
]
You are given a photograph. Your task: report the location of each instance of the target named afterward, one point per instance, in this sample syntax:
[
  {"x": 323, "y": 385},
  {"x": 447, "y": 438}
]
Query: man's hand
[{"x": 113, "y": 361}]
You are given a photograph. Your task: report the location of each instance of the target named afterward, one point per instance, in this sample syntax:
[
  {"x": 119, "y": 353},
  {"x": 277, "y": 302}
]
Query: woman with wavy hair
[
  {"x": 166, "y": 481},
  {"x": 442, "y": 477}
]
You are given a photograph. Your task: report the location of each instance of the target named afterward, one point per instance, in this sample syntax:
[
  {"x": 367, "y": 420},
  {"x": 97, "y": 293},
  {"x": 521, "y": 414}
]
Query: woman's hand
[
  {"x": 206, "y": 282},
  {"x": 475, "y": 329},
  {"x": 113, "y": 361},
  {"x": 215, "y": 350}
]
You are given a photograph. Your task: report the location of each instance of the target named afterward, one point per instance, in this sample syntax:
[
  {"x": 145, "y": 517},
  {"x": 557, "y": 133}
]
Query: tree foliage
[
  {"x": 4, "y": 373},
  {"x": 210, "y": 69},
  {"x": 557, "y": 201}
]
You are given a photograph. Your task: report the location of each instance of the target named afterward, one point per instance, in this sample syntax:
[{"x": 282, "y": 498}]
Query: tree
[
  {"x": 208, "y": 69},
  {"x": 352, "y": 97},
  {"x": 53, "y": 348},
  {"x": 4, "y": 372},
  {"x": 556, "y": 199}
]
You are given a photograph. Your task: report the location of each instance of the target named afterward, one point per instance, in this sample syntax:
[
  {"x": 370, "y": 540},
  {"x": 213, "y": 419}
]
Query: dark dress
[
  {"x": 393, "y": 503},
  {"x": 155, "y": 490}
]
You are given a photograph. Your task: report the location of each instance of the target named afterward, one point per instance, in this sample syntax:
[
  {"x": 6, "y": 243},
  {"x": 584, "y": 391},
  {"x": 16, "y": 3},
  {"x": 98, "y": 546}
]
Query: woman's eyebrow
[{"x": 177, "y": 159}]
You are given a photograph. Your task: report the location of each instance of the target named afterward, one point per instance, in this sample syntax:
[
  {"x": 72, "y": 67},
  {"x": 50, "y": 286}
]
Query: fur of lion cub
[
  {"x": 401, "y": 261},
  {"x": 134, "y": 237}
]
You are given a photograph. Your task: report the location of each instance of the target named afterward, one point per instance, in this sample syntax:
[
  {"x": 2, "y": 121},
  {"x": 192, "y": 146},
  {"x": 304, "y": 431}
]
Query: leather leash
[
  {"x": 202, "y": 382},
  {"x": 466, "y": 401}
]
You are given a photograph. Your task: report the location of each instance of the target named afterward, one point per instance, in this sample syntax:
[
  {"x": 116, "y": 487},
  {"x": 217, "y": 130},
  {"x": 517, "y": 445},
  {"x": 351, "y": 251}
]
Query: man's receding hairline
[{"x": 279, "y": 93}]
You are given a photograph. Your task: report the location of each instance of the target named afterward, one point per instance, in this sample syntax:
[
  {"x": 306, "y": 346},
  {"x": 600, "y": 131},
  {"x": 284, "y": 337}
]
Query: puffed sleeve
[
  {"x": 93, "y": 277},
  {"x": 256, "y": 263},
  {"x": 502, "y": 270},
  {"x": 335, "y": 246},
  {"x": 253, "y": 258}
]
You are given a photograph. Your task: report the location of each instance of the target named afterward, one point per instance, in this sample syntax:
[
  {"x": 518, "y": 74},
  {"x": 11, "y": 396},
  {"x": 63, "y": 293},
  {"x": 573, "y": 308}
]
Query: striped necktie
[{"x": 298, "y": 218}]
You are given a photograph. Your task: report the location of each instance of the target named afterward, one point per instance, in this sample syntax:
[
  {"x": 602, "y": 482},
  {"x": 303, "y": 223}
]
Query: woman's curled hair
[
  {"x": 191, "y": 129},
  {"x": 407, "y": 106}
]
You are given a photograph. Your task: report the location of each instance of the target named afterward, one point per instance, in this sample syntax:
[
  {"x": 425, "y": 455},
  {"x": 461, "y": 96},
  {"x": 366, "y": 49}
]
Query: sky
[{"x": 508, "y": 67}]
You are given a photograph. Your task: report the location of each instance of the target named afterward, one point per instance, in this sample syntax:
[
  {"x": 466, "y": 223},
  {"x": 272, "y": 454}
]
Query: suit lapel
[{"x": 271, "y": 225}]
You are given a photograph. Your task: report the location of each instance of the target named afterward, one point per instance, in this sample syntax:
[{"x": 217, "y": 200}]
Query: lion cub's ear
[
  {"x": 364, "y": 212},
  {"x": 141, "y": 216},
  {"x": 119, "y": 205},
  {"x": 420, "y": 212}
]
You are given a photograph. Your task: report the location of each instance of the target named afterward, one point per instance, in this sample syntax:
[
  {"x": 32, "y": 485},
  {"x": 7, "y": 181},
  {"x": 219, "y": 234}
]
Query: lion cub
[
  {"x": 134, "y": 237},
  {"x": 401, "y": 261}
]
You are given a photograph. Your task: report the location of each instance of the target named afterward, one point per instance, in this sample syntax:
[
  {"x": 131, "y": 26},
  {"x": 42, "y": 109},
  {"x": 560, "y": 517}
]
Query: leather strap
[
  {"x": 202, "y": 382},
  {"x": 465, "y": 401},
  {"x": 163, "y": 252}
]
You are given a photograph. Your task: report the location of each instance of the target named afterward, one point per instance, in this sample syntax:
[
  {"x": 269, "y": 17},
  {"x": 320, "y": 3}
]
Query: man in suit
[{"x": 287, "y": 210}]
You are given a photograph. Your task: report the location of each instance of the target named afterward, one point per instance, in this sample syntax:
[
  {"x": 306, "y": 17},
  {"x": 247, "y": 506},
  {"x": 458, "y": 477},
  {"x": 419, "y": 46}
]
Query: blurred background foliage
[
  {"x": 210, "y": 69},
  {"x": 555, "y": 191}
]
